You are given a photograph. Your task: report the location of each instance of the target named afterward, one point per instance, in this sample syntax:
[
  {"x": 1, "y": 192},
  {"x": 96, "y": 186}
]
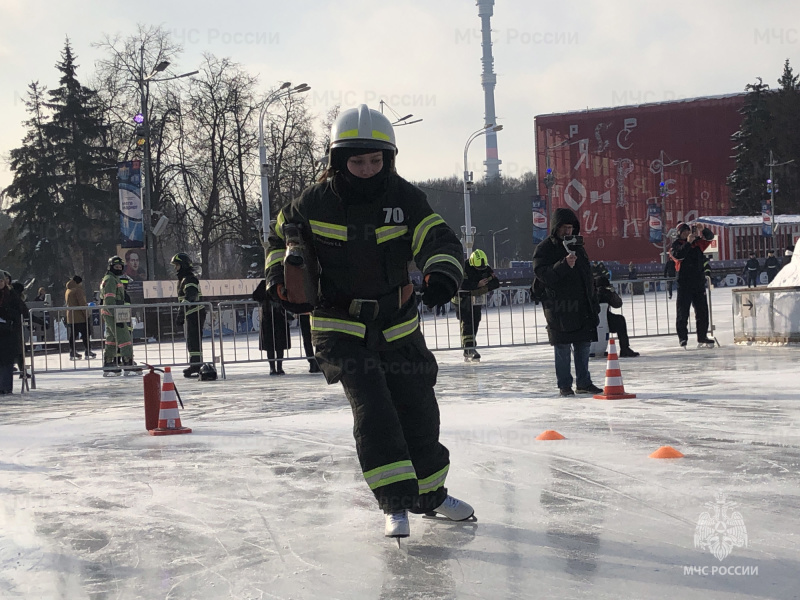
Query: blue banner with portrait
[
  {"x": 766, "y": 218},
  {"x": 655, "y": 223},
  {"x": 539, "y": 208},
  {"x": 129, "y": 178}
]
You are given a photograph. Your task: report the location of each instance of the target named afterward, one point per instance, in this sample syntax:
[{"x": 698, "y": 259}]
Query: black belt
[{"x": 367, "y": 309}]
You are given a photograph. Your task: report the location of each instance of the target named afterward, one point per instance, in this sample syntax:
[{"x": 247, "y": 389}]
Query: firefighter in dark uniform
[
  {"x": 751, "y": 270},
  {"x": 479, "y": 280},
  {"x": 772, "y": 265},
  {"x": 357, "y": 230},
  {"x": 193, "y": 317}
]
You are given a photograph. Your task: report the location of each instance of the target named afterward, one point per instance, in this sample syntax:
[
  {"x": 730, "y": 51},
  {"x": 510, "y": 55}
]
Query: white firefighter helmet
[{"x": 362, "y": 127}]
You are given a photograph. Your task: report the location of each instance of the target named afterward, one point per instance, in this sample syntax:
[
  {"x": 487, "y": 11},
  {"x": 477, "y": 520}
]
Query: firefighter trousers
[
  {"x": 194, "y": 336},
  {"x": 118, "y": 340},
  {"x": 396, "y": 419},
  {"x": 470, "y": 320}
]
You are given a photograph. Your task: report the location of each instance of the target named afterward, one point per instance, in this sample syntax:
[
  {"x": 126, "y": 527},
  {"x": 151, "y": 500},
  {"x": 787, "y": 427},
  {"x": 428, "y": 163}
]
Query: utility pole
[{"x": 772, "y": 187}]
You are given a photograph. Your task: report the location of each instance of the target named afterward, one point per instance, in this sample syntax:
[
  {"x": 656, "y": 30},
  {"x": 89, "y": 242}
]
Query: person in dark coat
[
  {"x": 571, "y": 306},
  {"x": 616, "y": 323},
  {"x": 669, "y": 273},
  {"x": 308, "y": 346},
  {"x": 772, "y": 265},
  {"x": 17, "y": 291},
  {"x": 751, "y": 270},
  {"x": 9, "y": 334},
  {"x": 688, "y": 250},
  {"x": 273, "y": 336}
]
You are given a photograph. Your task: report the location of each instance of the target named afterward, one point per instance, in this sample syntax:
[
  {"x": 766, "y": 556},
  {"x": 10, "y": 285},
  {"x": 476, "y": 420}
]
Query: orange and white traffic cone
[
  {"x": 614, "y": 390},
  {"x": 169, "y": 420}
]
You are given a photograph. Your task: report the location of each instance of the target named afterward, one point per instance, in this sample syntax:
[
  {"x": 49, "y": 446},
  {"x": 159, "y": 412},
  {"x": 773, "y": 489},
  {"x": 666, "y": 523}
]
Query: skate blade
[{"x": 437, "y": 517}]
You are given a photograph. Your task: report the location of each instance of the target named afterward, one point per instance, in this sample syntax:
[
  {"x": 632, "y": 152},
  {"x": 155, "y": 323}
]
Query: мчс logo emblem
[{"x": 718, "y": 530}]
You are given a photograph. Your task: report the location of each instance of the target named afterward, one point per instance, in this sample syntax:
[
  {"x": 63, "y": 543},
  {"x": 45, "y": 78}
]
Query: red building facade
[{"x": 607, "y": 165}]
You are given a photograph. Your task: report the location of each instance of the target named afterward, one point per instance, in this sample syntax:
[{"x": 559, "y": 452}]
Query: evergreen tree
[
  {"x": 88, "y": 211},
  {"x": 753, "y": 142},
  {"x": 786, "y": 110},
  {"x": 34, "y": 197}
]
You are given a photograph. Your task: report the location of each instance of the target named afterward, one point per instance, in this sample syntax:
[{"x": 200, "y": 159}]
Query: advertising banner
[
  {"x": 655, "y": 223},
  {"x": 766, "y": 216},
  {"x": 131, "y": 232},
  {"x": 539, "y": 207}
]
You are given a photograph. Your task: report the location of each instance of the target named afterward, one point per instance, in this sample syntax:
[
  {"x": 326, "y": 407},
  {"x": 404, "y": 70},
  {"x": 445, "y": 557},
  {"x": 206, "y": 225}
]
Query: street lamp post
[
  {"x": 469, "y": 230},
  {"x": 663, "y": 192},
  {"x": 772, "y": 187},
  {"x": 550, "y": 178},
  {"x": 283, "y": 91},
  {"x": 147, "y": 209},
  {"x": 494, "y": 245}
]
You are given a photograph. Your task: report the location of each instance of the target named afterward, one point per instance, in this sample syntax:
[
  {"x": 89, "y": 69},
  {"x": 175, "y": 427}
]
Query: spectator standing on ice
[
  {"x": 77, "y": 322},
  {"x": 9, "y": 315},
  {"x": 687, "y": 251},
  {"x": 772, "y": 265},
  {"x": 751, "y": 270},
  {"x": 570, "y": 305}
]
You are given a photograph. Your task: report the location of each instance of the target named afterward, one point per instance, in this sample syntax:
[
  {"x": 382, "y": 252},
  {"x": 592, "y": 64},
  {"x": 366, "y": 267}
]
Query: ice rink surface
[{"x": 265, "y": 498}]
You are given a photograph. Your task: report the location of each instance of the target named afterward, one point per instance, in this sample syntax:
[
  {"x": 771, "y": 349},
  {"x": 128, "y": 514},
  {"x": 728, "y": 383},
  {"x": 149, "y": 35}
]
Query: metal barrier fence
[
  {"x": 767, "y": 315},
  {"x": 233, "y": 329},
  {"x": 156, "y": 339}
]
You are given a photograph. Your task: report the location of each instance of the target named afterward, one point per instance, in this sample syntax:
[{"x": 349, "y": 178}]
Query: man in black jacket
[
  {"x": 772, "y": 265},
  {"x": 571, "y": 306},
  {"x": 687, "y": 251},
  {"x": 751, "y": 271}
]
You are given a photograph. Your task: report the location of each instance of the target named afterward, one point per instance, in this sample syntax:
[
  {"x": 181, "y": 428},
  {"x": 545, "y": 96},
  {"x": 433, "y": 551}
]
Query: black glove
[
  {"x": 277, "y": 293},
  {"x": 438, "y": 290},
  {"x": 180, "y": 318}
]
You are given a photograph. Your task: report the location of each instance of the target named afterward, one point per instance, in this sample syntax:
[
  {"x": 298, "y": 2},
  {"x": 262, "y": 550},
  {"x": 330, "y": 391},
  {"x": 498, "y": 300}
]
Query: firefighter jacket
[
  {"x": 112, "y": 292},
  {"x": 471, "y": 290},
  {"x": 189, "y": 290},
  {"x": 363, "y": 248}
]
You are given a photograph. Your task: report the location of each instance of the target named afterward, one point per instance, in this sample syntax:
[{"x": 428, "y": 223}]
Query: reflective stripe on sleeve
[
  {"x": 403, "y": 329},
  {"x": 279, "y": 224},
  {"x": 384, "y": 234},
  {"x": 434, "y": 482},
  {"x": 275, "y": 257},
  {"x": 338, "y": 325},
  {"x": 438, "y": 258},
  {"x": 422, "y": 229},
  {"x": 397, "y": 471},
  {"x": 329, "y": 230}
]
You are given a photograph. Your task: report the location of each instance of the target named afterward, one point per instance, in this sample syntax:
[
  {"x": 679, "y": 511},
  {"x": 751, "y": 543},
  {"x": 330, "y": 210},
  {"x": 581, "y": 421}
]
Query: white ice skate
[
  {"x": 397, "y": 525},
  {"x": 454, "y": 509}
]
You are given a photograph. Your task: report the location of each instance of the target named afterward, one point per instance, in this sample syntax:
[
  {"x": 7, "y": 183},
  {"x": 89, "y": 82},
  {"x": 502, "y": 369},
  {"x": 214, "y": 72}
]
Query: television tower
[{"x": 488, "y": 80}]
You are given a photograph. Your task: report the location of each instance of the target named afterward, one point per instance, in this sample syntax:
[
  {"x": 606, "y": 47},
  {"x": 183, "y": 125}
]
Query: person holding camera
[
  {"x": 570, "y": 305},
  {"x": 687, "y": 251}
]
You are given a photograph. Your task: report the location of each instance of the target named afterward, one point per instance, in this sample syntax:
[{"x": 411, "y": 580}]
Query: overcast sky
[{"x": 423, "y": 57}]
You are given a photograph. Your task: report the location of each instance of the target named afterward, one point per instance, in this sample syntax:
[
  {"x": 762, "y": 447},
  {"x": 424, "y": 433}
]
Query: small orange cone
[
  {"x": 550, "y": 435},
  {"x": 169, "y": 420},
  {"x": 666, "y": 452},
  {"x": 614, "y": 390}
]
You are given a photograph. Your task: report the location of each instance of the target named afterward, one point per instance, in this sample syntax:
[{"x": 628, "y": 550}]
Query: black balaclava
[{"x": 356, "y": 189}]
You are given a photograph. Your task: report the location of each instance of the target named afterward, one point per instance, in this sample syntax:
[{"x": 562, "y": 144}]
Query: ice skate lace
[
  {"x": 450, "y": 503},
  {"x": 398, "y": 517}
]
